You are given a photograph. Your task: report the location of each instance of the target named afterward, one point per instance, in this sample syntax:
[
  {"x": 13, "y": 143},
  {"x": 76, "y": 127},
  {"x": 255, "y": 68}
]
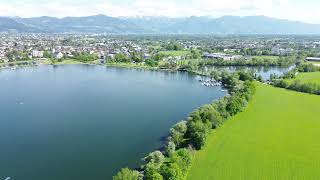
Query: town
[{"x": 144, "y": 50}]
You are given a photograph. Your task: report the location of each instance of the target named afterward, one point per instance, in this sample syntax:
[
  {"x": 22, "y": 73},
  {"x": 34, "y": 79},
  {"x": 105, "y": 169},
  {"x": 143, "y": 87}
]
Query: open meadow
[
  {"x": 276, "y": 137},
  {"x": 266, "y": 57},
  {"x": 310, "y": 77},
  {"x": 175, "y": 53}
]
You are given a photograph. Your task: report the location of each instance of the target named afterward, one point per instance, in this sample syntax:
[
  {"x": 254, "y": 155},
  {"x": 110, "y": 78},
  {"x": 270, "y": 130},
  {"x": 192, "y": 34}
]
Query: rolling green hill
[{"x": 276, "y": 137}]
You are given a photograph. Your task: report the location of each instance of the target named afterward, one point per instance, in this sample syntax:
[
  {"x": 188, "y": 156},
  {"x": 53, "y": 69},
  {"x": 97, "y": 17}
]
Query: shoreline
[{"x": 73, "y": 62}]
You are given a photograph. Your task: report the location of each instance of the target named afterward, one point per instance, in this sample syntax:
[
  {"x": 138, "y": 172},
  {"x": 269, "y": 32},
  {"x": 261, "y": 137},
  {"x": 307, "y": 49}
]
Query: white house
[
  {"x": 37, "y": 54},
  {"x": 58, "y": 55}
]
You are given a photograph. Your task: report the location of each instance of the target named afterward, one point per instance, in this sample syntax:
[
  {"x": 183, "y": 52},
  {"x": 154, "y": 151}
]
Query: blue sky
[{"x": 300, "y": 10}]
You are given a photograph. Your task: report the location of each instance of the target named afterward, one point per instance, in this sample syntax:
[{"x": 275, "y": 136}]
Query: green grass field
[
  {"x": 65, "y": 61},
  {"x": 175, "y": 53},
  {"x": 266, "y": 57},
  {"x": 310, "y": 77},
  {"x": 276, "y": 137}
]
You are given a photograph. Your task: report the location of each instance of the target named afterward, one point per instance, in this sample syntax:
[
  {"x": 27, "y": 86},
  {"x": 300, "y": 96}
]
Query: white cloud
[{"x": 174, "y": 8}]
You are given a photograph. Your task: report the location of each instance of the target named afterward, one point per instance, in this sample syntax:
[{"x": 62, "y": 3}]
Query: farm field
[
  {"x": 311, "y": 77},
  {"x": 276, "y": 137}
]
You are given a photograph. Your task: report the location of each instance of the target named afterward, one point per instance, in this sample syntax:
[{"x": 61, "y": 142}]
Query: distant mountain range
[{"x": 157, "y": 25}]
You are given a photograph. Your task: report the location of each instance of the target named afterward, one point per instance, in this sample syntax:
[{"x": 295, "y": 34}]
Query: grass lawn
[
  {"x": 276, "y": 137},
  {"x": 266, "y": 57},
  {"x": 310, "y": 77},
  {"x": 15, "y": 62},
  {"x": 175, "y": 53},
  {"x": 130, "y": 65},
  {"x": 65, "y": 61}
]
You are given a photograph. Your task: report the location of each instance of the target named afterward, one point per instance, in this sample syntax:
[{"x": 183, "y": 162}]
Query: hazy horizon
[
  {"x": 294, "y": 10},
  {"x": 160, "y": 17}
]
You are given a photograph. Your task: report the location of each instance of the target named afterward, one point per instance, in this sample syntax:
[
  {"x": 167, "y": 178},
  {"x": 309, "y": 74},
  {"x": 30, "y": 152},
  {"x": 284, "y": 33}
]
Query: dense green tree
[
  {"x": 209, "y": 113},
  {"x": 183, "y": 159},
  {"x": 136, "y": 57},
  {"x": 170, "y": 148},
  {"x": 245, "y": 76},
  {"x": 197, "y": 132},
  {"x": 195, "y": 54},
  {"x": 177, "y": 133},
  {"x": 120, "y": 57},
  {"x": 158, "y": 57},
  {"x": 85, "y": 57},
  {"x": 127, "y": 174},
  {"x": 235, "y": 104},
  {"x": 305, "y": 67},
  {"x": 151, "y": 62},
  {"x": 154, "y": 176},
  {"x": 171, "y": 171},
  {"x": 47, "y": 54},
  {"x": 155, "y": 157},
  {"x": 151, "y": 171},
  {"x": 173, "y": 46}
]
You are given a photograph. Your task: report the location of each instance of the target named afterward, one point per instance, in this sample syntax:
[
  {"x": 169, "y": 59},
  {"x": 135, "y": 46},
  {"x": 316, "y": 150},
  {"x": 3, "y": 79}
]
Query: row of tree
[
  {"x": 261, "y": 61},
  {"x": 174, "y": 162},
  {"x": 297, "y": 85},
  {"x": 15, "y": 55}
]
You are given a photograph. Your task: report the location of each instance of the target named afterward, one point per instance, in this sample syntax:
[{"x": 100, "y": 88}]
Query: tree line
[{"x": 254, "y": 61}]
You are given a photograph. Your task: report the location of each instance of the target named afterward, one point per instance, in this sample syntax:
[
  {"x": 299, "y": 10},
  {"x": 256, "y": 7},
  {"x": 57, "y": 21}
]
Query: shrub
[
  {"x": 177, "y": 133},
  {"x": 151, "y": 171},
  {"x": 127, "y": 174},
  {"x": 171, "y": 171},
  {"x": 155, "y": 157},
  {"x": 281, "y": 83},
  {"x": 307, "y": 68},
  {"x": 170, "y": 148},
  {"x": 183, "y": 158}
]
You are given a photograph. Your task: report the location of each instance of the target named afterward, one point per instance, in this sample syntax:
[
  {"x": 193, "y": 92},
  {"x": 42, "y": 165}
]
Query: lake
[{"x": 81, "y": 122}]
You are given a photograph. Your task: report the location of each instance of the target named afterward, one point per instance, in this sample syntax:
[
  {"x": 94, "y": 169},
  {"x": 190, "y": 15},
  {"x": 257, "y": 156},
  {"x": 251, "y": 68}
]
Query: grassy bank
[
  {"x": 123, "y": 65},
  {"x": 15, "y": 62},
  {"x": 66, "y": 61},
  {"x": 266, "y": 57},
  {"x": 130, "y": 65},
  {"x": 276, "y": 137}
]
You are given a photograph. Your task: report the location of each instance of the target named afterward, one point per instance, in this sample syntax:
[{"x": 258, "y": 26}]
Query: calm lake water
[{"x": 81, "y": 122}]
